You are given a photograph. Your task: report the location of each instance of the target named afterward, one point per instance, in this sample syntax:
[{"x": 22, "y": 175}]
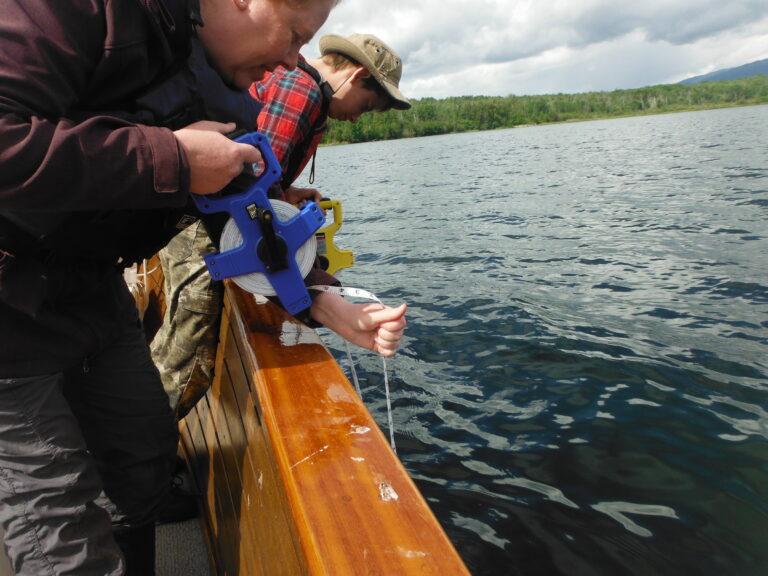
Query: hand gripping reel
[{"x": 269, "y": 245}]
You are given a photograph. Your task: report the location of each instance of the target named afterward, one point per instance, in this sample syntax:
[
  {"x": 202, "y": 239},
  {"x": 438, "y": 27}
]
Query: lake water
[{"x": 582, "y": 388}]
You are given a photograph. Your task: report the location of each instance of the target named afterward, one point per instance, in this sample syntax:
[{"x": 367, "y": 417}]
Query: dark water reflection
[{"x": 582, "y": 388}]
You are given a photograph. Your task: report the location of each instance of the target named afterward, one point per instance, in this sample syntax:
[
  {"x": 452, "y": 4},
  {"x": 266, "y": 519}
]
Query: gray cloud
[
  {"x": 500, "y": 47},
  {"x": 676, "y": 22}
]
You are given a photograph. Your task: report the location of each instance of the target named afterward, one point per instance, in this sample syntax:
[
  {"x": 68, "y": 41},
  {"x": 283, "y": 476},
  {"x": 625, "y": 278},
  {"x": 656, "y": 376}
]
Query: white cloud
[{"x": 501, "y": 47}]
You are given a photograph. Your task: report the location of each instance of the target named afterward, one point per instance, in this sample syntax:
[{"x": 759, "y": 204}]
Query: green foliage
[{"x": 470, "y": 113}]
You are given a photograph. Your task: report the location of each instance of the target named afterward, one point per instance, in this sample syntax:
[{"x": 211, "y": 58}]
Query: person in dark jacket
[
  {"x": 111, "y": 114},
  {"x": 354, "y": 75}
]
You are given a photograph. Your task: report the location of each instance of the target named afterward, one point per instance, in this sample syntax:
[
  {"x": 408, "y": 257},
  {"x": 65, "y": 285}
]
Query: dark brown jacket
[{"x": 68, "y": 70}]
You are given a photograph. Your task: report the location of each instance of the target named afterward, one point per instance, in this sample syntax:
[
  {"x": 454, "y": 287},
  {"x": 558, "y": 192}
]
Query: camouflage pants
[{"x": 184, "y": 349}]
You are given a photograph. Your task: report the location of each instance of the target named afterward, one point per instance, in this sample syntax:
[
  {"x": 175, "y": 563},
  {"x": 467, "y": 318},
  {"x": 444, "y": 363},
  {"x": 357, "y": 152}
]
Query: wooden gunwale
[{"x": 296, "y": 476}]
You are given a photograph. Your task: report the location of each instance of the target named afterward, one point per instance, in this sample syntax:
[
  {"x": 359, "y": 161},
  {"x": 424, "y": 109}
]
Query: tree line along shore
[{"x": 430, "y": 116}]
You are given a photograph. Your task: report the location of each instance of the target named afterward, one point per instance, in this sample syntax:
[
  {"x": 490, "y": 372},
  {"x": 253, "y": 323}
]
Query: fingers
[
  {"x": 386, "y": 348},
  {"x": 211, "y": 126},
  {"x": 249, "y": 155},
  {"x": 214, "y": 160},
  {"x": 388, "y": 337},
  {"x": 386, "y": 342},
  {"x": 301, "y": 196},
  {"x": 390, "y": 318},
  {"x": 224, "y": 127},
  {"x": 390, "y": 327},
  {"x": 387, "y": 352}
]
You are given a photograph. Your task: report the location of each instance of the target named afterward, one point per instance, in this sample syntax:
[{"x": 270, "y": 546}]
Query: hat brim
[{"x": 339, "y": 44}]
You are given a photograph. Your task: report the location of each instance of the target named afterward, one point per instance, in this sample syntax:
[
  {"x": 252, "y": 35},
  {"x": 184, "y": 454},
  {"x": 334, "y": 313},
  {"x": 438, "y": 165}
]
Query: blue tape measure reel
[{"x": 269, "y": 245}]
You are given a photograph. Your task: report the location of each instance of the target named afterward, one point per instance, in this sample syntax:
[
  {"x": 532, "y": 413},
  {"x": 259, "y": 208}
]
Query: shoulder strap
[
  {"x": 325, "y": 90},
  {"x": 319, "y": 126}
]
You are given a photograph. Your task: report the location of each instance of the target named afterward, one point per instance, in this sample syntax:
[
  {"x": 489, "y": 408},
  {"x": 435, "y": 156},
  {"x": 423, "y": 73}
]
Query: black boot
[
  {"x": 181, "y": 503},
  {"x": 138, "y": 546}
]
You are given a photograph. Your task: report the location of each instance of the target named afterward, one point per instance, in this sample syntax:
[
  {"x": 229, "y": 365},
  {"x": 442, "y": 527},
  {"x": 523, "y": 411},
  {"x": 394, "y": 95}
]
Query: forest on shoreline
[{"x": 430, "y": 116}]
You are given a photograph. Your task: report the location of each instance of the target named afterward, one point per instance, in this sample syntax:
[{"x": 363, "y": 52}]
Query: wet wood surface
[{"x": 298, "y": 477}]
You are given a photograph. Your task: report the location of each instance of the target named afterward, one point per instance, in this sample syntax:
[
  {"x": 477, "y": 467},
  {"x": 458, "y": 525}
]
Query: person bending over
[
  {"x": 111, "y": 114},
  {"x": 353, "y": 75}
]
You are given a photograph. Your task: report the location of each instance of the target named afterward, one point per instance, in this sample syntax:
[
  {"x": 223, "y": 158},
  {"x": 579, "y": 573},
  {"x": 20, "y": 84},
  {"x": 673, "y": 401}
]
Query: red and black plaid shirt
[{"x": 291, "y": 102}]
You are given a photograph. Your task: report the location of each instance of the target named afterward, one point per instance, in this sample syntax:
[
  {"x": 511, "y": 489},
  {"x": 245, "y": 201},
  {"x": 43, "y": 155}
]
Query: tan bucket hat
[{"x": 379, "y": 59}]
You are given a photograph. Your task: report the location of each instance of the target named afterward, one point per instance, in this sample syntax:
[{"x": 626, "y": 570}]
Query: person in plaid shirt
[{"x": 353, "y": 75}]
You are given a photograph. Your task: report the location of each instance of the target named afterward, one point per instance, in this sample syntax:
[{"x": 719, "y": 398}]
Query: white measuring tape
[
  {"x": 345, "y": 291},
  {"x": 256, "y": 282}
]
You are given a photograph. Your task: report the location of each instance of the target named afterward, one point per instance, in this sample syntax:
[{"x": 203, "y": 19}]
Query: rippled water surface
[{"x": 582, "y": 388}]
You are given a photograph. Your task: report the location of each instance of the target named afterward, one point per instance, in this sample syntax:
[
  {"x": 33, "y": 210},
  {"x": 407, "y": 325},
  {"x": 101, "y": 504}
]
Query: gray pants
[{"x": 83, "y": 452}]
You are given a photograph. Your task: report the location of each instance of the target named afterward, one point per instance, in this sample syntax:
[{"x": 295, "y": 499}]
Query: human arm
[
  {"x": 57, "y": 152},
  {"x": 291, "y": 109},
  {"x": 67, "y": 143},
  {"x": 372, "y": 325}
]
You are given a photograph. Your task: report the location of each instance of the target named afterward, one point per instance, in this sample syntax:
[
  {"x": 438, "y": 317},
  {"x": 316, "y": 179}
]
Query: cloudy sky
[{"x": 503, "y": 47}]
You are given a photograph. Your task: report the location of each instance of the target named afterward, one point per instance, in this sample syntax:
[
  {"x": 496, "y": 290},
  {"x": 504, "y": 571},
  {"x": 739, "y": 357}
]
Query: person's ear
[{"x": 360, "y": 73}]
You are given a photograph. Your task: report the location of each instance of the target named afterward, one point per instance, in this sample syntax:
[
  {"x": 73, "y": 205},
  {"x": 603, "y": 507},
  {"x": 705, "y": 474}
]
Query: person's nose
[{"x": 290, "y": 60}]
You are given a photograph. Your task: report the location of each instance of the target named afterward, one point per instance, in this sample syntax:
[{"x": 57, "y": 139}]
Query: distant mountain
[{"x": 751, "y": 69}]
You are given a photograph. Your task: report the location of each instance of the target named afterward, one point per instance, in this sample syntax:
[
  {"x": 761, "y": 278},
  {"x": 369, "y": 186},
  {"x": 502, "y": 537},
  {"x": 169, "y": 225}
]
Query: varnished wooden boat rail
[{"x": 298, "y": 479}]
